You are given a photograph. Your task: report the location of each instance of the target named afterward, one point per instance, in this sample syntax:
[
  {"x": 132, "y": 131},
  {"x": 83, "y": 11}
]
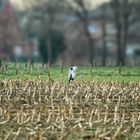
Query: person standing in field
[{"x": 72, "y": 73}]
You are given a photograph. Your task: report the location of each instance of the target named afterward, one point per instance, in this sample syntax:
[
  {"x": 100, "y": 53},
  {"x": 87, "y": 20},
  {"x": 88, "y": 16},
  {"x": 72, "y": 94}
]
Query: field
[
  {"x": 125, "y": 74},
  {"x": 101, "y": 104}
]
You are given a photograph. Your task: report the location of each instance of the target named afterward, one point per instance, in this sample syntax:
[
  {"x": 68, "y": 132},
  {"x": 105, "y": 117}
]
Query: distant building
[
  {"x": 25, "y": 51},
  {"x": 9, "y": 30}
]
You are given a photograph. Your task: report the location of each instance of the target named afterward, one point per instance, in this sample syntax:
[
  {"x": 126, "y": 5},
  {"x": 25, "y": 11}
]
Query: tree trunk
[
  {"x": 119, "y": 45},
  {"x": 49, "y": 48},
  {"x": 91, "y": 44},
  {"x": 125, "y": 29},
  {"x": 118, "y": 24},
  {"x": 104, "y": 55},
  {"x": 0, "y": 63}
]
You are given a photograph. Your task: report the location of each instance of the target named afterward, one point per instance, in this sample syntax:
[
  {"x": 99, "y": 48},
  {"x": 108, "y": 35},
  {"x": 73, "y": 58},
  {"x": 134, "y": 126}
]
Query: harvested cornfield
[{"x": 40, "y": 110}]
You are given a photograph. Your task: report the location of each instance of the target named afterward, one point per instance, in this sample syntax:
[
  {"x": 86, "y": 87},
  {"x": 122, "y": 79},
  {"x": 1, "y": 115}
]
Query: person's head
[{"x": 74, "y": 68}]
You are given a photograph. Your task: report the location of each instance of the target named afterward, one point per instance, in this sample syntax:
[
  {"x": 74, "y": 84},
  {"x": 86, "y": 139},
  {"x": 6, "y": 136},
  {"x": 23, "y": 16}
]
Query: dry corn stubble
[{"x": 41, "y": 110}]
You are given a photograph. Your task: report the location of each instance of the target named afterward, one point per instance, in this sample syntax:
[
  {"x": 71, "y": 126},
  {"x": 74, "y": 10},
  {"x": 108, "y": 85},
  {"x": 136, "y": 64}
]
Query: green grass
[{"x": 128, "y": 74}]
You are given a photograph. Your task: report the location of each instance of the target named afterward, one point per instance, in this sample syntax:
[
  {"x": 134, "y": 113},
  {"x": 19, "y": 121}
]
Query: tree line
[{"x": 52, "y": 16}]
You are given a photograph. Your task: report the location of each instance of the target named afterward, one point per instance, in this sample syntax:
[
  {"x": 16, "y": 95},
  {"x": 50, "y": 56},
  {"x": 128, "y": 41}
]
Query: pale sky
[{"x": 24, "y": 4}]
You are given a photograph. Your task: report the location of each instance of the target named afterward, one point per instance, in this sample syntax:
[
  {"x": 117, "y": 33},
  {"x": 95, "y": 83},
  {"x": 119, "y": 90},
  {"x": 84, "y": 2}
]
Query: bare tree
[
  {"x": 48, "y": 13},
  {"x": 117, "y": 13},
  {"x": 82, "y": 14},
  {"x": 121, "y": 13}
]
